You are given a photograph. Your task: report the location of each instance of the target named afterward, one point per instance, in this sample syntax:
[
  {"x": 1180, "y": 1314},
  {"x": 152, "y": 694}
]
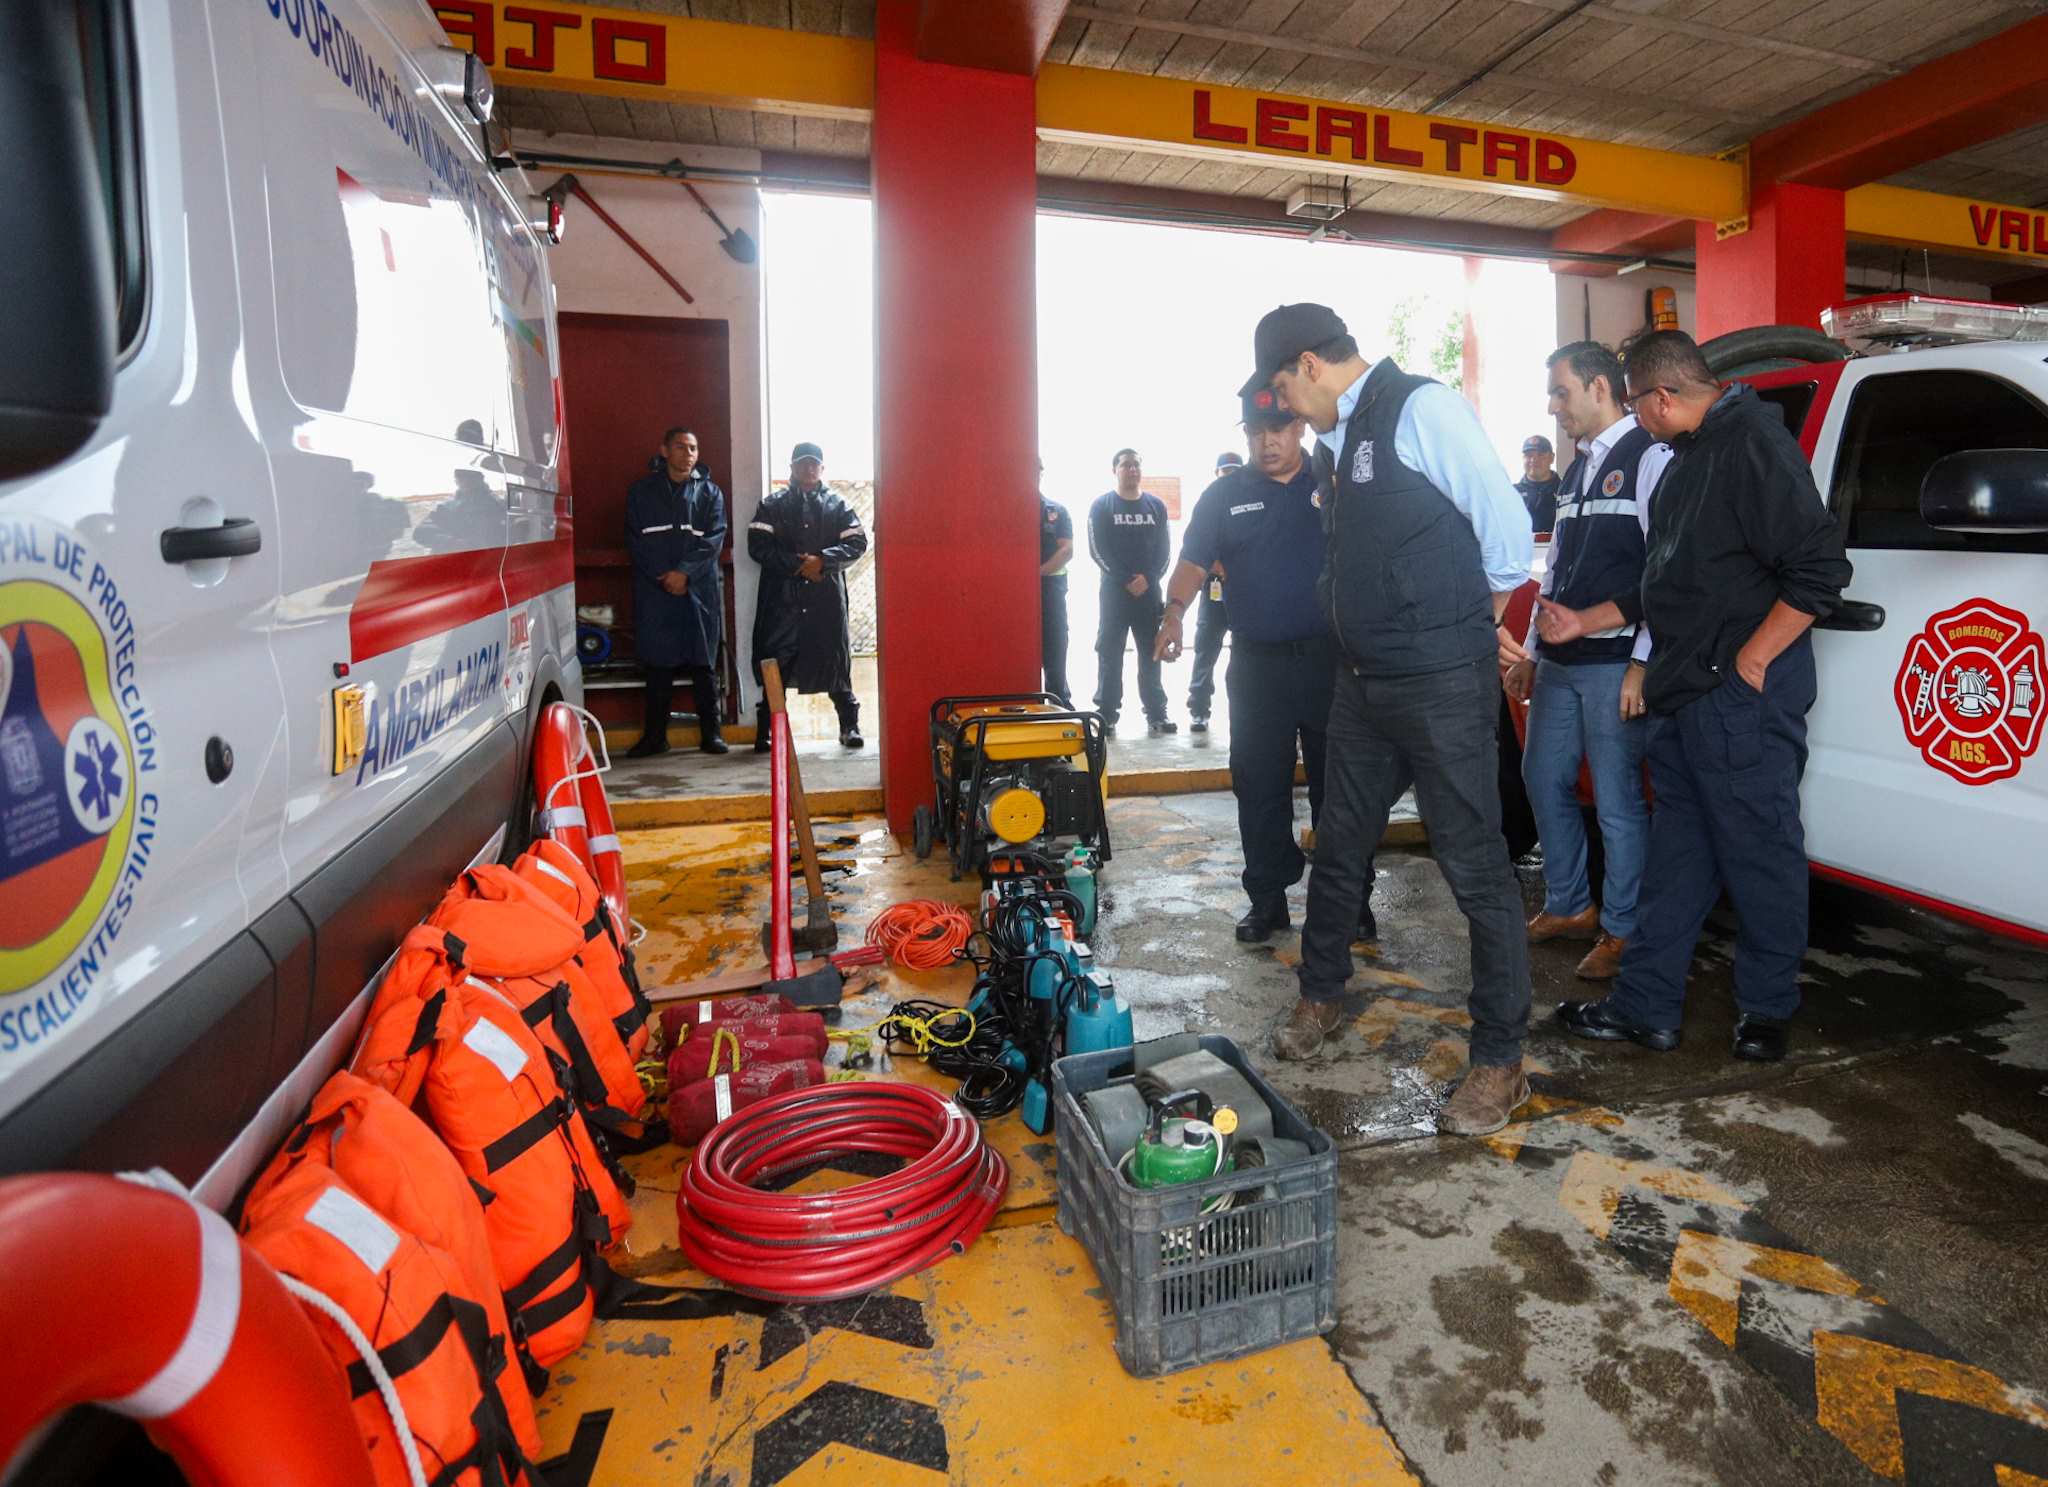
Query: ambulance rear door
[{"x": 1927, "y": 775}]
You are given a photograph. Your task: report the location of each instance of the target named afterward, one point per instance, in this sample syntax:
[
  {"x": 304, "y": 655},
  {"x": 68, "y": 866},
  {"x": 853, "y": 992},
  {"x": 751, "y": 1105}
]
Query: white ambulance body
[
  {"x": 276, "y": 619},
  {"x": 1928, "y": 779}
]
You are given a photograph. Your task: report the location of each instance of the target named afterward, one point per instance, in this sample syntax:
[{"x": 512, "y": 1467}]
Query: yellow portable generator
[{"x": 1017, "y": 778}]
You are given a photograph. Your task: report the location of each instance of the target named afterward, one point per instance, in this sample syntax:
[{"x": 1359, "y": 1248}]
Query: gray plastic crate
[{"x": 1189, "y": 1287}]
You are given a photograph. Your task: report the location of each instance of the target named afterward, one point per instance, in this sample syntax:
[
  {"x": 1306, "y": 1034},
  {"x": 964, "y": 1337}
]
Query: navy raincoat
[
  {"x": 676, "y": 528},
  {"x": 802, "y": 625}
]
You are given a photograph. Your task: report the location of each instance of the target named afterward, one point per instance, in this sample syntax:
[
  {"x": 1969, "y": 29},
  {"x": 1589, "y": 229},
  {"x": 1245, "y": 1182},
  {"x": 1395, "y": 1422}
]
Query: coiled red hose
[{"x": 824, "y": 1246}]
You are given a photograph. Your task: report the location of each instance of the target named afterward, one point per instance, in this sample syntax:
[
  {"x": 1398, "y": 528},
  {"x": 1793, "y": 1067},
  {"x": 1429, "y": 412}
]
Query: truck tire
[{"x": 1769, "y": 348}]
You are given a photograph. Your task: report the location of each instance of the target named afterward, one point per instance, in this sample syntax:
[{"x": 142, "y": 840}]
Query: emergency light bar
[{"x": 1927, "y": 320}]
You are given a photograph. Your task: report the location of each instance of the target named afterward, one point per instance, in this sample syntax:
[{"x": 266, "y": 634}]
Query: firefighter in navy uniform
[
  {"x": 1212, "y": 623},
  {"x": 1055, "y": 547},
  {"x": 1128, "y": 540},
  {"x": 1263, "y": 523},
  {"x": 675, "y": 532},
  {"x": 805, "y": 537}
]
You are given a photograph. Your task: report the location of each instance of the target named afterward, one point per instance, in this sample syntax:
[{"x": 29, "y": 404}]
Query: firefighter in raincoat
[
  {"x": 805, "y": 537},
  {"x": 675, "y": 531}
]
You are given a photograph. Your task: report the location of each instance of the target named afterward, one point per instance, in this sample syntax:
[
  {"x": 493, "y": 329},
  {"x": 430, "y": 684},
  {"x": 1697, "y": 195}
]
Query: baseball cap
[
  {"x": 1262, "y": 409},
  {"x": 807, "y": 451},
  {"x": 1536, "y": 444},
  {"x": 1230, "y": 459},
  {"x": 1285, "y": 333}
]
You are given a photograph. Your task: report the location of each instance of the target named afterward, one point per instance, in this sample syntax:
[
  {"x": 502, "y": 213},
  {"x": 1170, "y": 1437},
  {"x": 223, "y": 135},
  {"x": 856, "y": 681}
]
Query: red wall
[
  {"x": 1789, "y": 266},
  {"x": 956, "y": 521}
]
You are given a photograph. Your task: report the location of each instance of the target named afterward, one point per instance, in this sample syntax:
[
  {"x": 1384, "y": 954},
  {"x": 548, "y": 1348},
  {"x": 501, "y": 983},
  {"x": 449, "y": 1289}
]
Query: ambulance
[
  {"x": 1928, "y": 781},
  {"x": 285, "y": 560}
]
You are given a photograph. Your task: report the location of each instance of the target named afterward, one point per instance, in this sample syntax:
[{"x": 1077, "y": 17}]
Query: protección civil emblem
[{"x": 1969, "y": 691}]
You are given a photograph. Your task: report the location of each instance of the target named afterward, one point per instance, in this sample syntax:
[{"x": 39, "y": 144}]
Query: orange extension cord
[{"x": 922, "y": 934}]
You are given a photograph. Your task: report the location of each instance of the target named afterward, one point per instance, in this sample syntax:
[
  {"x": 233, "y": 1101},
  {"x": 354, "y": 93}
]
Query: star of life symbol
[
  {"x": 1361, "y": 462},
  {"x": 96, "y": 774},
  {"x": 1969, "y": 691}
]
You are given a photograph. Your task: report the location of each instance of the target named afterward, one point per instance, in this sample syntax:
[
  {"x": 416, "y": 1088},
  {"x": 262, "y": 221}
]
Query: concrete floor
[{"x": 1676, "y": 1269}]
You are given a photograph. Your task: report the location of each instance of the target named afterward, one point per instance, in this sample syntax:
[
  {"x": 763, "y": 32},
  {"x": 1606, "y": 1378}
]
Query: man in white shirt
[{"x": 1584, "y": 682}]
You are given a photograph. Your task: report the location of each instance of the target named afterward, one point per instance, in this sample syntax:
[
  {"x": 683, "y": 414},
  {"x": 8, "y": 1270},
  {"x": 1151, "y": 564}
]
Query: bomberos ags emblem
[{"x": 1970, "y": 691}]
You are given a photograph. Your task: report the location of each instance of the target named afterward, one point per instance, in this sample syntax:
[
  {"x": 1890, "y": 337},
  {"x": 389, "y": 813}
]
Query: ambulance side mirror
[
  {"x": 1987, "y": 491},
  {"x": 57, "y": 275}
]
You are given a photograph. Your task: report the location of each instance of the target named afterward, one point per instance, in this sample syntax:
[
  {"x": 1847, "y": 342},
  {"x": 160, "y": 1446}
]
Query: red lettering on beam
[
  {"x": 1555, "y": 163},
  {"x": 2040, "y": 234},
  {"x": 545, "y": 23},
  {"x": 1348, "y": 124},
  {"x": 1270, "y": 118},
  {"x": 1384, "y": 150},
  {"x": 1983, "y": 221},
  {"x": 605, "y": 36},
  {"x": 474, "y": 19},
  {"x": 2012, "y": 230},
  {"x": 1205, "y": 128},
  {"x": 1455, "y": 137},
  {"x": 1511, "y": 148}
]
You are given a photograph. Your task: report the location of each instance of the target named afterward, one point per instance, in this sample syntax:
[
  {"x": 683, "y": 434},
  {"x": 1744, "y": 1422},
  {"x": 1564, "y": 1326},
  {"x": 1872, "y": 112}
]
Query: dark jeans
[
  {"x": 1435, "y": 732},
  {"x": 1139, "y": 619},
  {"x": 1212, "y": 623},
  {"x": 1052, "y": 633},
  {"x": 660, "y": 697},
  {"x": 1725, "y": 768},
  {"x": 1278, "y": 693}
]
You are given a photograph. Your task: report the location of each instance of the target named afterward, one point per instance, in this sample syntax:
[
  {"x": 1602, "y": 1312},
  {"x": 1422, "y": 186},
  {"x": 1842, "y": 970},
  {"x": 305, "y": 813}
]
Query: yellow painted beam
[
  {"x": 1092, "y": 106},
  {"x": 1953, "y": 224}
]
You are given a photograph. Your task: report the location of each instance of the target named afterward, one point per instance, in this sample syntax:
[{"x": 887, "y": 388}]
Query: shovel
[{"x": 738, "y": 246}]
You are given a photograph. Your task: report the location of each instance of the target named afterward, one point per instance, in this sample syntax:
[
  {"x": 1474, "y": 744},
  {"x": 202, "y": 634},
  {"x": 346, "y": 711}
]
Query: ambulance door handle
[
  {"x": 235, "y": 537},
  {"x": 1853, "y": 614}
]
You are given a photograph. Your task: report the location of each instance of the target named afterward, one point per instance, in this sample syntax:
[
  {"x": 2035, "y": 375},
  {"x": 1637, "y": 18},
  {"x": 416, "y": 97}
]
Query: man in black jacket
[
  {"x": 805, "y": 537},
  {"x": 1128, "y": 539},
  {"x": 675, "y": 531},
  {"x": 1742, "y": 559}
]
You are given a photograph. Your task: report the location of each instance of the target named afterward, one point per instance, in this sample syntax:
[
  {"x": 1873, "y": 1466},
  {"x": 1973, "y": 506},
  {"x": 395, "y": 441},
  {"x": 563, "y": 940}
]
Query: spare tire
[{"x": 1769, "y": 348}]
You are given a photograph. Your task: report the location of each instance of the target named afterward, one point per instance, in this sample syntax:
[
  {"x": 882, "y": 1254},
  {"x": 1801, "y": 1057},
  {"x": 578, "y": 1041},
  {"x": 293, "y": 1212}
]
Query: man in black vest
[
  {"x": 1585, "y": 684},
  {"x": 1742, "y": 558},
  {"x": 1425, "y": 541}
]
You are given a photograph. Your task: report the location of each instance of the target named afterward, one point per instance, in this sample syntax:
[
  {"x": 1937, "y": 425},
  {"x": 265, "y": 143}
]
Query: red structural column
[
  {"x": 956, "y": 519},
  {"x": 1790, "y": 265}
]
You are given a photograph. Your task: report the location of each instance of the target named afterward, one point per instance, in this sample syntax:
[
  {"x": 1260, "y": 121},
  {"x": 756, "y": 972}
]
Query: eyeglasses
[{"x": 1631, "y": 401}]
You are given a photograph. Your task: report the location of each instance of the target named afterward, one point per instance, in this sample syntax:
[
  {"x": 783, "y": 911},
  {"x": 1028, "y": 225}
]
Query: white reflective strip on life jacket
[
  {"x": 216, "y": 1312},
  {"x": 489, "y": 1041},
  {"x": 599, "y": 845},
  {"x": 721, "y": 1088},
  {"x": 554, "y": 872},
  {"x": 556, "y": 817},
  {"x": 667, "y": 526},
  {"x": 346, "y": 1218}
]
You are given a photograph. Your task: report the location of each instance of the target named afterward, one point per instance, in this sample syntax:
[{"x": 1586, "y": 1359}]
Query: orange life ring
[
  {"x": 139, "y": 1299},
  {"x": 558, "y": 755},
  {"x": 607, "y": 861}
]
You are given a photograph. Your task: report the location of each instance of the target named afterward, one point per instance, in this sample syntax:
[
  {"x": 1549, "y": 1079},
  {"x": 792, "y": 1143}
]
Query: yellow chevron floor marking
[
  {"x": 1507, "y": 1142},
  {"x": 2012, "y": 1476},
  {"x": 1707, "y": 1272},
  {"x": 1594, "y": 1183},
  {"x": 1857, "y": 1383}
]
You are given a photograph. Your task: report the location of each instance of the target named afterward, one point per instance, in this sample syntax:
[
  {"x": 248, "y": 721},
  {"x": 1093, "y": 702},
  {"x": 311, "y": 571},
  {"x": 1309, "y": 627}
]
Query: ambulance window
[
  {"x": 1793, "y": 401},
  {"x": 107, "y": 56},
  {"x": 1901, "y": 423}
]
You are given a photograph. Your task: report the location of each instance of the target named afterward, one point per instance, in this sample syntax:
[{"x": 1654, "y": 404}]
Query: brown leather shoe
[
  {"x": 1603, "y": 961},
  {"x": 1306, "y": 1027},
  {"x": 1582, "y": 926},
  {"x": 1485, "y": 1099}
]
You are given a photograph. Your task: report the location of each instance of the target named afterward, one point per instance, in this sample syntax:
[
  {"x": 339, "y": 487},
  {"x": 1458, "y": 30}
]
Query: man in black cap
[
  {"x": 1128, "y": 540},
  {"x": 1264, "y": 525},
  {"x": 1539, "y": 483},
  {"x": 675, "y": 532},
  {"x": 1055, "y": 547},
  {"x": 1212, "y": 623},
  {"x": 805, "y": 536},
  {"x": 1425, "y": 541}
]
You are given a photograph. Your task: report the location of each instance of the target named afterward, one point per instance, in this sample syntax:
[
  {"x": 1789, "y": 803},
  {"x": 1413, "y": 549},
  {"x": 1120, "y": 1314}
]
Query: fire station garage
[{"x": 664, "y": 819}]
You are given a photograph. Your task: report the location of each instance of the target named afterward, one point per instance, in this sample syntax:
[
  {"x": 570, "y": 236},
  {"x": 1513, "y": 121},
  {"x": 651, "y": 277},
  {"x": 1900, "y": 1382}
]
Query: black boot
[
  {"x": 657, "y": 691},
  {"x": 849, "y": 729},
  {"x": 710, "y": 736},
  {"x": 764, "y": 739},
  {"x": 1263, "y": 920},
  {"x": 650, "y": 744}
]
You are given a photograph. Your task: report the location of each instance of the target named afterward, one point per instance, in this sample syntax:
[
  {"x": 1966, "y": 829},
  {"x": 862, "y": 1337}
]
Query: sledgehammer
[{"x": 818, "y": 935}]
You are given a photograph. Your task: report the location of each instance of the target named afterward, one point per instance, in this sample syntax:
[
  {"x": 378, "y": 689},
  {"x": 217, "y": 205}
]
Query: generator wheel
[{"x": 921, "y": 831}]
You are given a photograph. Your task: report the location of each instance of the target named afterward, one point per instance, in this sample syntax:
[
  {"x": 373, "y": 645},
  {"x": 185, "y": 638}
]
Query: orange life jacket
[
  {"x": 389, "y": 1159},
  {"x": 418, "y": 1308},
  {"x": 514, "y": 938},
  {"x": 492, "y": 1092},
  {"x": 607, "y": 949}
]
